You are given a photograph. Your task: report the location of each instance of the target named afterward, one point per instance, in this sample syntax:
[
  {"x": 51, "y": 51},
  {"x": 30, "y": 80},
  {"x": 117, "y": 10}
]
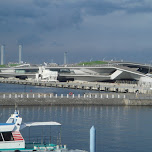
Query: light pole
[{"x": 149, "y": 67}]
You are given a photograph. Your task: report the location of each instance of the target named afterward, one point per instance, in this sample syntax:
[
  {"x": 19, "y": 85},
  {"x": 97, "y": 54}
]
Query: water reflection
[{"x": 118, "y": 128}]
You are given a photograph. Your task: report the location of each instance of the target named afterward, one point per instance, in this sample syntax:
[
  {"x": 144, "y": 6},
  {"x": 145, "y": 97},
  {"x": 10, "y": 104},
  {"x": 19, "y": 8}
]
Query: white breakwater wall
[{"x": 49, "y": 99}]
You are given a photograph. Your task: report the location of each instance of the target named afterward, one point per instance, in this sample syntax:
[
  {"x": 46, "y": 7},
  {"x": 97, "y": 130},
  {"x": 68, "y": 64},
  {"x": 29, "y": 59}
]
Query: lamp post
[{"x": 149, "y": 67}]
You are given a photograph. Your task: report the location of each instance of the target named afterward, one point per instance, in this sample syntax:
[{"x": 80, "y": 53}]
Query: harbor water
[{"x": 118, "y": 128}]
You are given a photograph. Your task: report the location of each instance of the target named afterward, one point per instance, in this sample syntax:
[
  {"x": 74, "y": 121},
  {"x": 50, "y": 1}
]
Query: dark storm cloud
[
  {"x": 49, "y": 15},
  {"x": 61, "y": 13},
  {"x": 37, "y": 16},
  {"x": 76, "y": 24},
  {"x": 18, "y": 9},
  {"x": 46, "y": 14}
]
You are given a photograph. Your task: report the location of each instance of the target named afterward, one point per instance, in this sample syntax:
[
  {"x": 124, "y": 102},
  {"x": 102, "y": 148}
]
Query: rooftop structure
[{"x": 111, "y": 72}]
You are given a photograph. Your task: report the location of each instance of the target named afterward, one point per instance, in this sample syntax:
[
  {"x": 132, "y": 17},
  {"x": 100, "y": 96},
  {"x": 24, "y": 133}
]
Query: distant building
[{"x": 113, "y": 72}]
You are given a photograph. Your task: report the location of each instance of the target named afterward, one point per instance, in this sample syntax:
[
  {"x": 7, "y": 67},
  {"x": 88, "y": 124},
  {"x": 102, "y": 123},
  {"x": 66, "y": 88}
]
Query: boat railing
[{"x": 43, "y": 140}]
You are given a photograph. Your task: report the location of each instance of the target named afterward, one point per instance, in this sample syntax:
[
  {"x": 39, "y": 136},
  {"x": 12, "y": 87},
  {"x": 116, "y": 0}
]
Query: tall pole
[
  {"x": 20, "y": 53},
  {"x": 65, "y": 57},
  {"x": 2, "y": 55}
]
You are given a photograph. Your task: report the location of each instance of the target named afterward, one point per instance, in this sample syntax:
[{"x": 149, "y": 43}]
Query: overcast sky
[{"x": 86, "y": 29}]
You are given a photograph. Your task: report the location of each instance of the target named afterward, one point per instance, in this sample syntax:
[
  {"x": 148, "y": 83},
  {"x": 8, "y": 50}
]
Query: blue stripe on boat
[{"x": 3, "y": 124}]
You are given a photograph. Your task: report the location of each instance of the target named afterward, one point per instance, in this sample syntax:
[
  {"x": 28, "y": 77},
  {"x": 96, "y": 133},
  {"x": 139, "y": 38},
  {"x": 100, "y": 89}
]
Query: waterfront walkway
[{"x": 97, "y": 86}]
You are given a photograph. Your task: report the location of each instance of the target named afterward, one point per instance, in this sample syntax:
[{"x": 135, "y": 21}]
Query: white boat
[{"x": 11, "y": 138}]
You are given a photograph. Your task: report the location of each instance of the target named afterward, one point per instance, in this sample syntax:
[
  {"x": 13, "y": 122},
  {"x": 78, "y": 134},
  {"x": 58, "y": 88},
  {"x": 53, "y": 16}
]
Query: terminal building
[{"x": 111, "y": 72}]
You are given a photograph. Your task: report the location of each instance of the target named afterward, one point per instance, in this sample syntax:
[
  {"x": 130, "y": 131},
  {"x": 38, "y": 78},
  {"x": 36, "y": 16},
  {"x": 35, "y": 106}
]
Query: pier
[
  {"x": 106, "y": 94},
  {"x": 97, "y": 86}
]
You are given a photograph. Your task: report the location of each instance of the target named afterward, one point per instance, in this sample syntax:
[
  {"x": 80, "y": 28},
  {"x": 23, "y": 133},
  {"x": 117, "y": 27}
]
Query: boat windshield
[{"x": 10, "y": 120}]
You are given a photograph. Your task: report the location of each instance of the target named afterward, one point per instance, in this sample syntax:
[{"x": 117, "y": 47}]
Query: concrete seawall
[
  {"x": 75, "y": 101},
  {"x": 37, "y": 99},
  {"x": 96, "y": 86}
]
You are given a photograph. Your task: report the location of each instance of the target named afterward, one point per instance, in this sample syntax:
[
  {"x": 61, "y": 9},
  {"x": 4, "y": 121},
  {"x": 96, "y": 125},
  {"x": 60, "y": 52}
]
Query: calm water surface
[{"x": 118, "y": 128}]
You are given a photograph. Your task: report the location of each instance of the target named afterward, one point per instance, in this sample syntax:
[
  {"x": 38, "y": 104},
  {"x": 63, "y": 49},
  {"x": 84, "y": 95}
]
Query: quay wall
[
  {"x": 97, "y": 86},
  {"x": 48, "y": 99}
]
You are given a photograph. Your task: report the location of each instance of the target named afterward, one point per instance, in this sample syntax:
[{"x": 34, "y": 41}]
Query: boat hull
[{"x": 12, "y": 145}]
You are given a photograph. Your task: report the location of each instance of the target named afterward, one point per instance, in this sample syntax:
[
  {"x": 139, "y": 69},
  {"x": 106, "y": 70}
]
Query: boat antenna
[
  {"x": 16, "y": 111},
  {"x": 15, "y": 106}
]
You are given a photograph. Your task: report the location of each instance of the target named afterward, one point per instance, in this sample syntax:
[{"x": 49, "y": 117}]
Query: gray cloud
[
  {"x": 49, "y": 15},
  {"x": 103, "y": 7},
  {"x": 103, "y": 26},
  {"x": 29, "y": 39}
]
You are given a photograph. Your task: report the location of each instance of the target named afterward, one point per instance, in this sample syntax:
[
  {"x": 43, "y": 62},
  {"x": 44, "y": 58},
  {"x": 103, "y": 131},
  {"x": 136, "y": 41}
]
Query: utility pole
[
  {"x": 2, "y": 54},
  {"x": 20, "y": 54}
]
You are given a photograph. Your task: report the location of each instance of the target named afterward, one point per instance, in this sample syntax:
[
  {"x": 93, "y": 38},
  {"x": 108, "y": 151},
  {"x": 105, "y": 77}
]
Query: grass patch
[
  {"x": 3, "y": 66},
  {"x": 9, "y": 65},
  {"x": 92, "y": 63},
  {"x": 12, "y": 65}
]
